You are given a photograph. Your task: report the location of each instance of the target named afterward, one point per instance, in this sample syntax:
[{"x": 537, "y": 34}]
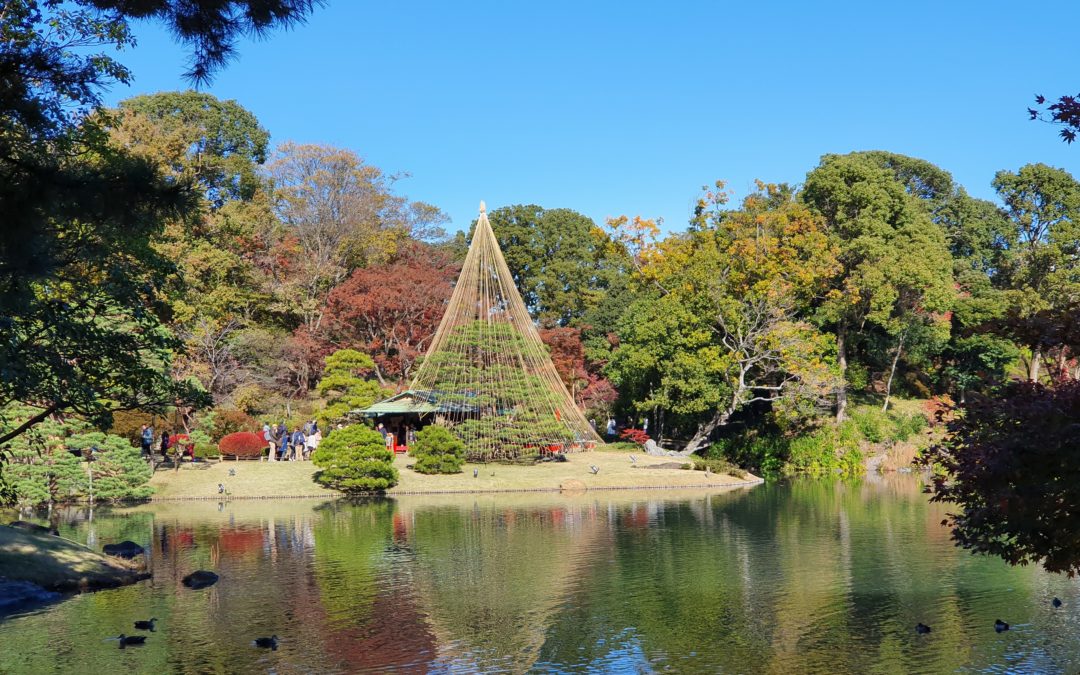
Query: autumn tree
[
  {"x": 343, "y": 215},
  {"x": 1010, "y": 470},
  {"x": 79, "y": 286},
  {"x": 1065, "y": 111},
  {"x": 725, "y": 331},
  {"x": 583, "y": 378},
  {"x": 895, "y": 272},
  {"x": 391, "y": 311}
]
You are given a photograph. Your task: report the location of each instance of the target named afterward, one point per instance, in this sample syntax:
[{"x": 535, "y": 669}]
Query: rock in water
[
  {"x": 125, "y": 549},
  {"x": 200, "y": 579}
]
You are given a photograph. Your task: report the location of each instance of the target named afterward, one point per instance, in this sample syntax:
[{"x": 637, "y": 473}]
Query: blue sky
[{"x": 629, "y": 108}]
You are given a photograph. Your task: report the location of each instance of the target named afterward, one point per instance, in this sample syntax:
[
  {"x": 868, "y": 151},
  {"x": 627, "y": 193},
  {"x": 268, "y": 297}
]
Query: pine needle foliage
[
  {"x": 355, "y": 460},
  {"x": 438, "y": 451}
]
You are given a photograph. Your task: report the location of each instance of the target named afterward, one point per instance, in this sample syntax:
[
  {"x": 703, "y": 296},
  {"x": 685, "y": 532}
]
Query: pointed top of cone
[{"x": 483, "y": 206}]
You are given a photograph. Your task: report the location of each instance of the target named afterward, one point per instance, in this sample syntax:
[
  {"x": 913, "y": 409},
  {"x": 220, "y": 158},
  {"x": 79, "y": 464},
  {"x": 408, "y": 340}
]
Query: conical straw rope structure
[{"x": 487, "y": 372}]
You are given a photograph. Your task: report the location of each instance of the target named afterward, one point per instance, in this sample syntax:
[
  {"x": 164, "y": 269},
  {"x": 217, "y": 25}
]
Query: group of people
[{"x": 295, "y": 446}]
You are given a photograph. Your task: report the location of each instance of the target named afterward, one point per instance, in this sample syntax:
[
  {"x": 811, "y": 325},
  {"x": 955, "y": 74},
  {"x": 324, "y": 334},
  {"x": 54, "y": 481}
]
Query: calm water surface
[{"x": 806, "y": 577}]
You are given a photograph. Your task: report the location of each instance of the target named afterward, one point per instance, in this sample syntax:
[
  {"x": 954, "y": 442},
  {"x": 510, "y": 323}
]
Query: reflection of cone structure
[
  {"x": 492, "y": 582},
  {"x": 488, "y": 374}
]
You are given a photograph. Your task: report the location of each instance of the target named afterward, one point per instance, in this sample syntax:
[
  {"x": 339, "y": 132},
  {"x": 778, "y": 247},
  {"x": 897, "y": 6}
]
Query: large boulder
[
  {"x": 125, "y": 549},
  {"x": 200, "y": 579},
  {"x": 651, "y": 448}
]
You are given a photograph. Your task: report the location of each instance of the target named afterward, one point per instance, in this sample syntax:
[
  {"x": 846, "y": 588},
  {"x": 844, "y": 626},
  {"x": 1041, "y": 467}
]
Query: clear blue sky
[{"x": 629, "y": 108}]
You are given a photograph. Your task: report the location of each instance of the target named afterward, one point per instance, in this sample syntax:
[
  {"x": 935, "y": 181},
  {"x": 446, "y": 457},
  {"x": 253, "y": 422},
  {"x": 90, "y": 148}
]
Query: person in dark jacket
[
  {"x": 298, "y": 443},
  {"x": 283, "y": 442},
  {"x": 165, "y": 444},
  {"x": 147, "y": 439}
]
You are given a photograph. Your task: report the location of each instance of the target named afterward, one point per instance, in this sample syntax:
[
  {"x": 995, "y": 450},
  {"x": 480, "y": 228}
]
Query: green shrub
[
  {"x": 206, "y": 451},
  {"x": 437, "y": 451},
  {"x": 623, "y": 445},
  {"x": 355, "y": 459},
  {"x": 874, "y": 424},
  {"x": 717, "y": 466},
  {"x": 909, "y": 426}
]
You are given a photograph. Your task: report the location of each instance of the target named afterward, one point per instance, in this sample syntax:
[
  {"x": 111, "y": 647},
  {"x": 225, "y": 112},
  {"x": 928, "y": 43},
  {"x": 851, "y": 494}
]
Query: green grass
[
  {"x": 294, "y": 479},
  {"x": 59, "y": 564}
]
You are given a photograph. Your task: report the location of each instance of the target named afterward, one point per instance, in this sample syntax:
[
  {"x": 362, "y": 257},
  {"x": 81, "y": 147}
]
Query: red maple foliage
[
  {"x": 590, "y": 390},
  {"x": 391, "y": 311},
  {"x": 634, "y": 436},
  {"x": 242, "y": 444}
]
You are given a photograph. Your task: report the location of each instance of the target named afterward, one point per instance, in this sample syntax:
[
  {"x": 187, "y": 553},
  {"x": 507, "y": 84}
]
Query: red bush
[
  {"x": 634, "y": 436},
  {"x": 242, "y": 444}
]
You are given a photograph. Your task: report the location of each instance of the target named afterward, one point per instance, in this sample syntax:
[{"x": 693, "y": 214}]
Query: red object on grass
[{"x": 242, "y": 444}]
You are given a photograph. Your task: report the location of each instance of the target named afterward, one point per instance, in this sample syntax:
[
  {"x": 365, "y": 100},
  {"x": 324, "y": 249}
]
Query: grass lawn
[
  {"x": 294, "y": 479},
  {"x": 59, "y": 564}
]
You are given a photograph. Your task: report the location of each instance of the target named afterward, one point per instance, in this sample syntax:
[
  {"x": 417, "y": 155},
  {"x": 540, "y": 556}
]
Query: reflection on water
[{"x": 802, "y": 577}]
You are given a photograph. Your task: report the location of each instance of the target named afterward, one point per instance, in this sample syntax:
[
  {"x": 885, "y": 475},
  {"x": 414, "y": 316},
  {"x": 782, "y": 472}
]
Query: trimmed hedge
[
  {"x": 242, "y": 444},
  {"x": 437, "y": 451}
]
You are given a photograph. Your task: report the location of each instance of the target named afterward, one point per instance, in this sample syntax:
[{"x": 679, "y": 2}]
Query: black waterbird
[
  {"x": 1056, "y": 602},
  {"x": 922, "y": 628},
  {"x": 1000, "y": 626},
  {"x": 126, "y": 640},
  {"x": 267, "y": 642},
  {"x": 145, "y": 625}
]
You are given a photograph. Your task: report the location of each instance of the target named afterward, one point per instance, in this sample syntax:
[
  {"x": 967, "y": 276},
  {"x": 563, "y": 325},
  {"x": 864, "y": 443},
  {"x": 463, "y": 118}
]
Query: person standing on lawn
[
  {"x": 299, "y": 441},
  {"x": 268, "y": 436},
  {"x": 147, "y": 439}
]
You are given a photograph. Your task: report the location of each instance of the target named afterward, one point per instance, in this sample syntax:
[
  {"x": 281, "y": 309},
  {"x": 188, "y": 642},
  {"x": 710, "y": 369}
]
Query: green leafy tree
[
  {"x": 437, "y": 451},
  {"x": 355, "y": 459},
  {"x": 347, "y": 385},
  {"x": 1042, "y": 277},
  {"x": 561, "y": 262},
  {"x": 215, "y": 144},
  {"x": 79, "y": 283},
  {"x": 895, "y": 270},
  {"x": 725, "y": 331}
]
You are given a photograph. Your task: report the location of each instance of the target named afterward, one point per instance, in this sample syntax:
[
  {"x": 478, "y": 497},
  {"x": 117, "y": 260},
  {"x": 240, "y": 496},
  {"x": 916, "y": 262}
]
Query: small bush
[
  {"x": 204, "y": 451},
  {"x": 623, "y": 445},
  {"x": 874, "y": 425},
  {"x": 355, "y": 459},
  {"x": 717, "y": 466},
  {"x": 242, "y": 444},
  {"x": 634, "y": 436},
  {"x": 437, "y": 451}
]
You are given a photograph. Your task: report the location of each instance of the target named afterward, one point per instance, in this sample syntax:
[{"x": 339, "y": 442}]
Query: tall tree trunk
[
  {"x": 841, "y": 358},
  {"x": 1033, "y": 367},
  {"x": 704, "y": 431},
  {"x": 892, "y": 372}
]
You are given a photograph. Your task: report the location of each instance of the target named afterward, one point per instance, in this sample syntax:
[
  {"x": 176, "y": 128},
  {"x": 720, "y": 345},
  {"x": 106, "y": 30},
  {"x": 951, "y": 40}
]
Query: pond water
[{"x": 801, "y": 577}]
